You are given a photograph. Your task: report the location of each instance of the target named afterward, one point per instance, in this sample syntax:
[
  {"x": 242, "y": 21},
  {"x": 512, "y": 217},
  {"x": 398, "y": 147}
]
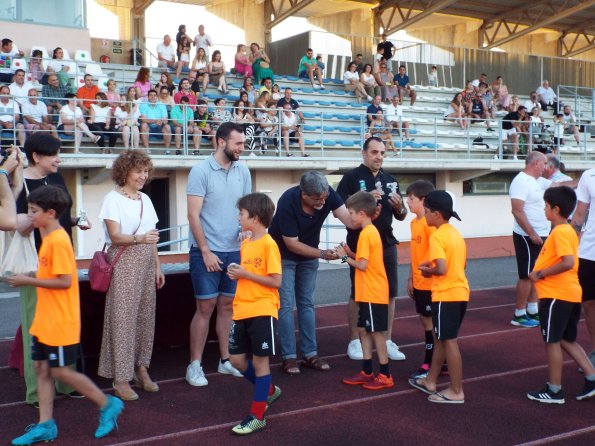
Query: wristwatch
[{"x": 344, "y": 258}]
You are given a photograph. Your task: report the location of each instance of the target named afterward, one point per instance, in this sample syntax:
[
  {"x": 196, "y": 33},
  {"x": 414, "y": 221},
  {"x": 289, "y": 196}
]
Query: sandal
[
  {"x": 291, "y": 367},
  {"x": 314, "y": 362}
]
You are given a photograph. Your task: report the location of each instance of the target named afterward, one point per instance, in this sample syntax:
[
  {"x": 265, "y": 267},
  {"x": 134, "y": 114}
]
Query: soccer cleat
[
  {"x": 359, "y": 379},
  {"x": 380, "y": 382},
  {"x": 250, "y": 425},
  {"x": 393, "y": 351},
  {"x": 227, "y": 369},
  {"x": 195, "y": 375},
  {"x": 547, "y": 396},
  {"x": 524, "y": 321},
  {"x": 108, "y": 416},
  {"x": 273, "y": 396},
  {"x": 421, "y": 373},
  {"x": 588, "y": 391},
  {"x": 47, "y": 431},
  {"x": 354, "y": 350}
]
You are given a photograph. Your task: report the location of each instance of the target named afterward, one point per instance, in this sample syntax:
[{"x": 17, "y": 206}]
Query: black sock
[
  {"x": 429, "y": 347},
  {"x": 385, "y": 369},
  {"x": 223, "y": 361},
  {"x": 367, "y": 366}
]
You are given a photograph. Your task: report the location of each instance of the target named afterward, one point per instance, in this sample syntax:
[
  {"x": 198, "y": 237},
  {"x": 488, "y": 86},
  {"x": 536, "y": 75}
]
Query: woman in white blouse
[
  {"x": 129, "y": 220},
  {"x": 72, "y": 120},
  {"x": 367, "y": 79},
  {"x": 100, "y": 116},
  {"x": 127, "y": 123},
  {"x": 200, "y": 64},
  {"x": 352, "y": 83}
]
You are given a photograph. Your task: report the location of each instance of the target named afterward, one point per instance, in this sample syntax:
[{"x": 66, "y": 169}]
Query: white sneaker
[
  {"x": 393, "y": 351},
  {"x": 227, "y": 369},
  {"x": 370, "y": 98},
  {"x": 354, "y": 350},
  {"x": 515, "y": 158},
  {"x": 322, "y": 87},
  {"x": 316, "y": 87},
  {"x": 195, "y": 375}
]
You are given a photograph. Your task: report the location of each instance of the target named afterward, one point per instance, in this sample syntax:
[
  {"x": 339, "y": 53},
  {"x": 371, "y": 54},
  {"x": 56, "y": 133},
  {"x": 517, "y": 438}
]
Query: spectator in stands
[
  {"x": 248, "y": 87},
  {"x": 266, "y": 85},
  {"x": 127, "y": 115},
  {"x": 87, "y": 94},
  {"x": 194, "y": 84},
  {"x": 468, "y": 94},
  {"x": 7, "y": 54},
  {"x": 166, "y": 54},
  {"x": 35, "y": 115},
  {"x": 477, "y": 111},
  {"x": 501, "y": 93},
  {"x": 203, "y": 40},
  {"x": 269, "y": 130},
  {"x": 36, "y": 69},
  {"x": 387, "y": 87},
  {"x": 219, "y": 116},
  {"x": 53, "y": 93},
  {"x": 394, "y": 117},
  {"x": 182, "y": 122},
  {"x": 514, "y": 105},
  {"x": 290, "y": 129},
  {"x": 165, "y": 98},
  {"x": 242, "y": 65},
  {"x": 456, "y": 111},
  {"x": 131, "y": 97},
  {"x": 367, "y": 79},
  {"x": 547, "y": 97},
  {"x": 482, "y": 78},
  {"x": 275, "y": 92},
  {"x": 72, "y": 120},
  {"x": 100, "y": 118},
  {"x": 202, "y": 119},
  {"x": 287, "y": 99},
  {"x": 535, "y": 127},
  {"x": 10, "y": 115},
  {"x": 200, "y": 66},
  {"x": 184, "y": 62},
  {"x": 113, "y": 97},
  {"x": 511, "y": 127},
  {"x": 402, "y": 81},
  {"x": 352, "y": 83},
  {"x": 308, "y": 69},
  {"x": 373, "y": 108},
  {"x": 379, "y": 129},
  {"x": 58, "y": 66},
  {"x": 243, "y": 117},
  {"x": 19, "y": 88},
  {"x": 433, "y": 77},
  {"x": 260, "y": 64},
  {"x": 181, "y": 33},
  {"x": 247, "y": 104},
  {"x": 165, "y": 81},
  {"x": 262, "y": 104},
  {"x": 142, "y": 82},
  {"x": 388, "y": 49},
  {"x": 487, "y": 95},
  {"x": 359, "y": 64},
  {"x": 532, "y": 101},
  {"x": 185, "y": 91},
  {"x": 154, "y": 121},
  {"x": 320, "y": 64},
  {"x": 570, "y": 124},
  {"x": 217, "y": 72},
  {"x": 558, "y": 131}
]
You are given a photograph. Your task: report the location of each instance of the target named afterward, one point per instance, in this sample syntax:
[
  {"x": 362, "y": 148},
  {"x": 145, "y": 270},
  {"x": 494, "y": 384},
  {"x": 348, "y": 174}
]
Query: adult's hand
[
  {"x": 152, "y": 236},
  {"x": 159, "y": 278},
  {"x": 211, "y": 261},
  {"x": 536, "y": 239}
]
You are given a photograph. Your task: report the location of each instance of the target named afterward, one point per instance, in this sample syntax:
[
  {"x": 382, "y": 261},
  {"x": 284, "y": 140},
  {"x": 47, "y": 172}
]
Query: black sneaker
[
  {"x": 534, "y": 317},
  {"x": 547, "y": 396},
  {"x": 588, "y": 391}
]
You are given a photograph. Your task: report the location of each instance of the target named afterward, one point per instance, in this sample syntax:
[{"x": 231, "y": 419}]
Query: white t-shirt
[
  {"x": 348, "y": 76},
  {"x": 547, "y": 95},
  {"x": 289, "y": 121},
  {"x": 530, "y": 190},
  {"x": 57, "y": 64},
  {"x": 167, "y": 52},
  {"x": 100, "y": 113},
  {"x": 126, "y": 212},
  {"x": 67, "y": 113},
  {"x": 529, "y": 105},
  {"x": 6, "y": 58},
  {"x": 394, "y": 113},
  {"x": 20, "y": 93},
  {"x": 585, "y": 192},
  {"x": 9, "y": 110},
  {"x": 203, "y": 42},
  {"x": 37, "y": 111},
  {"x": 558, "y": 129}
]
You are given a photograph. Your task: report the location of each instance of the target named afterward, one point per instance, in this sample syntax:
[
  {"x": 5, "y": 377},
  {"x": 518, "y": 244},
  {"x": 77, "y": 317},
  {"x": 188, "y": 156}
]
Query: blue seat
[
  {"x": 307, "y": 90},
  {"x": 312, "y": 128},
  {"x": 308, "y": 102},
  {"x": 430, "y": 145},
  {"x": 349, "y": 143},
  {"x": 330, "y": 142},
  {"x": 329, "y": 128},
  {"x": 312, "y": 142},
  {"x": 414, "y": 145},
  {"x": 310, "y": 114},
  {"x": 292, "y": 78},
  {"x": 328, "y": 116},
  {"x": 325, "y": 91},
  {"x": 413, "y": 131}
]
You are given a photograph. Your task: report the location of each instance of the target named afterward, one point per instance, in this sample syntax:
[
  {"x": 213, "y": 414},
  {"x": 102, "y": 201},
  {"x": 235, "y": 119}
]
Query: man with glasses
[
  {"x": 54, "y": 95},
  {"x": 309, "y": 68},
  {"x": 301, "y": 212}
]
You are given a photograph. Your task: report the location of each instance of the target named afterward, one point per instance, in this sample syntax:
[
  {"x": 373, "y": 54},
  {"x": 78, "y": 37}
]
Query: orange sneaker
[
  {"x": 359, "y": 379},
  {"x": 381, "y": 381}
]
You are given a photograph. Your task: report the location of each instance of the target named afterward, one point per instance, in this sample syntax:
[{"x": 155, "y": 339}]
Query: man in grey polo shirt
[{"x": 214, "y": 187}]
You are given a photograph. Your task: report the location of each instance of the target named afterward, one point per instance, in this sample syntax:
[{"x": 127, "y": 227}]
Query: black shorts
[
  {"x": 373, "y": 317},
  {"x": 390, "y": 266},
  {"x": 447, "y": 318},
  {"x": 586, "y": 277},
  {"x": 255, "y": 335},
  {"x": 526, "y": 254},
  {"x": 558, "y": 320},
  {"x": 423, "y": 302},
  {"x": 61, "y": 356}
]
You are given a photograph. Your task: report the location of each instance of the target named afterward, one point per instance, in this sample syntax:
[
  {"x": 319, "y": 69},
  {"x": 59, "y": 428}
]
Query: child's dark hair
[
  {"x": 258, "y": 205},
  {"x": 419, "y": 189},
  {"x": 362, "y": 201},
  {"x": 50, "y": 197},
  {"x": 563, "y": 196},
  {"x": 559, "y": 115}
]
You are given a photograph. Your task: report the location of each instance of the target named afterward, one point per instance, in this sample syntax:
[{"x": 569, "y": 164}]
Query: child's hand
[
  {"x": 533, "y": 276},
  {"x": 341, "y": 251},
  {"x": 235, "y": 271},
  {"x": 348, "y": 250},
  {"x": 426, "y": 269},
  {"x": 410, "y": 287},
  {"x": 18, "y": 280}
]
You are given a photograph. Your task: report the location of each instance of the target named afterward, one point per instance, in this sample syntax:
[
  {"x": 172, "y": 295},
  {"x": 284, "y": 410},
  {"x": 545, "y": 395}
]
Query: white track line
[{"x": 563, "y": 436}]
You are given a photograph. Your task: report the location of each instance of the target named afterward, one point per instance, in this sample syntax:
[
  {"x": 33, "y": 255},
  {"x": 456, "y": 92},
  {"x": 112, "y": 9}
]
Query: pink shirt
[
  {"x": 144, "y": 87},
  {"x": 190, "y": 95}
]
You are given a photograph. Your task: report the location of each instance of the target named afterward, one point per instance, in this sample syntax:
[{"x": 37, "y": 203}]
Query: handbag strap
[{"x": 121, "y": 250}]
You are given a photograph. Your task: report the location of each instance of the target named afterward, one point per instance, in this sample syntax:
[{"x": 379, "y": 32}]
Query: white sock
[
  {"x": 519, "y": 313},
  {"x": 532, "y": 308}
]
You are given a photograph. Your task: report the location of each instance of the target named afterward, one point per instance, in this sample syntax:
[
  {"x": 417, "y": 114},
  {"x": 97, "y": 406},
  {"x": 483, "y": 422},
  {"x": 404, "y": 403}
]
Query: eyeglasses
[{"x": 382, "y": 66}]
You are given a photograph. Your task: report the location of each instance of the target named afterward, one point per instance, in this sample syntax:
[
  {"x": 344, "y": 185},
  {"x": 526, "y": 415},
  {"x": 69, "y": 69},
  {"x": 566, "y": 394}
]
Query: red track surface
[{"x": 501, "y": 363}]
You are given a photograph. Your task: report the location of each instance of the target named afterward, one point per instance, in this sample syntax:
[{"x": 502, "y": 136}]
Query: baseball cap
[{"x": 440, "y": 200}]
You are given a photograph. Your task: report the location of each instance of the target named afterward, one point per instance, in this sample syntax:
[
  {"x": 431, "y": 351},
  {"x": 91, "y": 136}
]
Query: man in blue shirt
[
  {"x": 402, "y": 81},
  {"x": 373, "y": 108},
  {"x": 153, "y": 117}
]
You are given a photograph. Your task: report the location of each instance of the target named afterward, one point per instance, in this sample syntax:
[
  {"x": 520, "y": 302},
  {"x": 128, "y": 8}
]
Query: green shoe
[
  {"x": 273, "y": 396},
  {"x": 250, "y": 425}
]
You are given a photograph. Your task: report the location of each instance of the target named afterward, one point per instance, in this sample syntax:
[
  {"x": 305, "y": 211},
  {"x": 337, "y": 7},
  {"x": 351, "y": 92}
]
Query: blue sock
[
  {"x": 262, "y": 385},
  {"x": 249, "y": 373}
]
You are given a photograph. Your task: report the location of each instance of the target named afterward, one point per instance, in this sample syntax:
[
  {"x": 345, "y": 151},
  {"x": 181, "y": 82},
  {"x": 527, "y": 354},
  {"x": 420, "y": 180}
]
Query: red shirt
[{"x": 87, "y": 95}]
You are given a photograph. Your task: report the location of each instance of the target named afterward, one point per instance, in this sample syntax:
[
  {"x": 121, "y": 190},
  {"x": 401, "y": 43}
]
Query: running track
[{"x": 501, "y": 363}]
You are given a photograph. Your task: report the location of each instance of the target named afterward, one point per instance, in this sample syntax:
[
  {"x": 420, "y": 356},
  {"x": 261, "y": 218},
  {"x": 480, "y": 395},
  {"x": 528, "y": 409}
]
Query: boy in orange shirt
[
  {"x": 255, "y": 307},
  {"x": 371, "y": 292},
  {"x": 555, "y": 276},
  {"x": 419, "y": 287},
  {"x": 450, "y": 294},
  {"x": 56, "y": 326}
]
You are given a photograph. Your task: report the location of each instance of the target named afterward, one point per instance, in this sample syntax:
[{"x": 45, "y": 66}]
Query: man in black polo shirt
[
  {"x": 387, "y": 46},
  {"x": 373, "y": 108},
  {"x": 370, "y": 176},
  {"x": 296, "y": 226},
  {"x": 287, "y": 99}
]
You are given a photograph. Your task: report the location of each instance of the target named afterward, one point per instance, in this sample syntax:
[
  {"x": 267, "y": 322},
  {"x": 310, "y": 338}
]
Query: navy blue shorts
[{"x": 208, "y": 285}]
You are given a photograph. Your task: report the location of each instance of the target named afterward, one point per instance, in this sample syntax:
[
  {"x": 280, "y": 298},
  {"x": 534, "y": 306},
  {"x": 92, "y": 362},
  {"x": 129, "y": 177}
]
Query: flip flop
[
  {"x": 439, "y": 398},
  {"x": 413, "y": 383}
]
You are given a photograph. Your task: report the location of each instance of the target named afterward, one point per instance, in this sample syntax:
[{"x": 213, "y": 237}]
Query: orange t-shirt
[
  {"x": 371, "y": 285},
  {"x": 57, "y": 320},
  {"x": 448, "y": 244},
  {"x": 260, "y": 257},
  {"x": 87, "y": 95},
  {"x": 420, "y": 251},
  {"x": 562, "y": 241}
]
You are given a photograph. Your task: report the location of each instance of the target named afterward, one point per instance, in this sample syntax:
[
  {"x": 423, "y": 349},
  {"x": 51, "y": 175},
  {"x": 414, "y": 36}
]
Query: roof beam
[
  {"x": 140, "y": 6},
  {"x": 577, "y": 43},
  {"x": 282, "y": 9},
  {"x": 562, "y": 11},
  {"x": 404, "y": 18},
  {"x": 510, "y": 13}
]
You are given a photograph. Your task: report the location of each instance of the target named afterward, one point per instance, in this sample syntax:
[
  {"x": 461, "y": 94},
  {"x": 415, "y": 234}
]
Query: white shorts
[
  {"x": 184, "y": 57},
  {"x": 508, "y": 132}
]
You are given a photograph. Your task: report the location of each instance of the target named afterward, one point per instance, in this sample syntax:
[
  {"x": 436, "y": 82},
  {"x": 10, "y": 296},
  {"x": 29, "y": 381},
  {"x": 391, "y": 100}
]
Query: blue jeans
[{"x": 297, "y": 289}]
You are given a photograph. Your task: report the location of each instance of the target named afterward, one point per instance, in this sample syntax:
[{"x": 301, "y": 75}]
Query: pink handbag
[{"x": 101, "y": 270}]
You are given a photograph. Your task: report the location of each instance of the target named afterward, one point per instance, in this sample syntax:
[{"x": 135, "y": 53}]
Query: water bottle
[{"x": 362, "y": 185}]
